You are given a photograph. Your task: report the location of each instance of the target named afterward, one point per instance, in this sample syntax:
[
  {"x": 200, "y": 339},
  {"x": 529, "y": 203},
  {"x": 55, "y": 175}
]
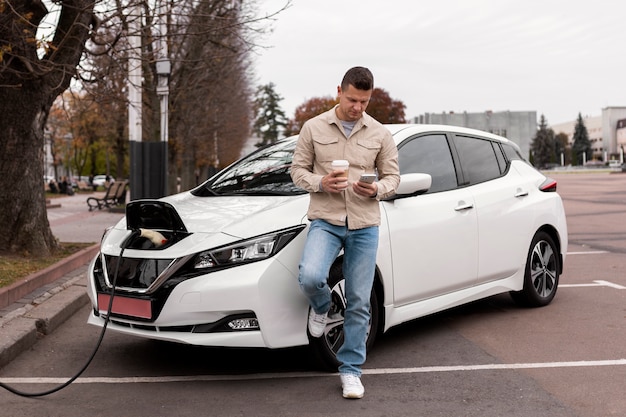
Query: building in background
[
  {"x": 613, "y": 123},
  {"x": 594, "y": 129},
  {"x": 517, "y": 126},
  {"x": 620, "y": 138},
  {"x": 607, "y": 133}
]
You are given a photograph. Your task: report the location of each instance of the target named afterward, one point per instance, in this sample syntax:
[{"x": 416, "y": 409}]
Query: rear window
[
  {"x": 478, "y": 159},
  {"x": 511, "y": 153}
]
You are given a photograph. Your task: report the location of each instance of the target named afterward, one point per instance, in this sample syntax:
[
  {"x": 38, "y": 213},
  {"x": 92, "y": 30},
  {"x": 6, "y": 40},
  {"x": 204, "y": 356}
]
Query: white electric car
[{"x": 471, "y": 218}]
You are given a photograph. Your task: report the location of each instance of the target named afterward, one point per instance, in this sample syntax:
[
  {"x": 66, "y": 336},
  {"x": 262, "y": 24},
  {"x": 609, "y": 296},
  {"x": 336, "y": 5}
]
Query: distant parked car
[
  {"x": 218, "y": 265},
  {"x": 99, "y": 180}
]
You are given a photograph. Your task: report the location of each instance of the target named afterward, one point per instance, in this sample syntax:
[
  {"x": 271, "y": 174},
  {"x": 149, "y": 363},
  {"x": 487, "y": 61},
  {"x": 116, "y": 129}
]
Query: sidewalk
[{"x": 41, "y": 302}]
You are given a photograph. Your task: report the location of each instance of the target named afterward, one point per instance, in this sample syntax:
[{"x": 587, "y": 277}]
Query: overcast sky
[{"x": 555, "y": 57}]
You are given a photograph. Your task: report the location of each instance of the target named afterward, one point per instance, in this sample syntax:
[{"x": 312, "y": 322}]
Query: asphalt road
[{"x": 490, "y": 358}]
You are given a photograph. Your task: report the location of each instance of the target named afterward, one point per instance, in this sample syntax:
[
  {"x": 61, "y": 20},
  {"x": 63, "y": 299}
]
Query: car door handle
[
  {"x": 520, "y": 193},
  {"x": 463, "y": 206}
]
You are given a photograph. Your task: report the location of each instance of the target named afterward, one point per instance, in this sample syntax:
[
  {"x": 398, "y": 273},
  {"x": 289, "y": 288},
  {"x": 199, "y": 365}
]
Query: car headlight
[{"x": 246, "y": 251}]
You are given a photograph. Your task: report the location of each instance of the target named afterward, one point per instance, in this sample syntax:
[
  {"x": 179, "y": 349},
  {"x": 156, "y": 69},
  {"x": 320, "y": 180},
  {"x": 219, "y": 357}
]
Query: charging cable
[{"x": 102, "y": 332}]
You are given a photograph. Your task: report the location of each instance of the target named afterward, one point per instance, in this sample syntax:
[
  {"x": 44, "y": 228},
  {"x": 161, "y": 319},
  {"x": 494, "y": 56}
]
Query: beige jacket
[{"x": 369, "y": 149}]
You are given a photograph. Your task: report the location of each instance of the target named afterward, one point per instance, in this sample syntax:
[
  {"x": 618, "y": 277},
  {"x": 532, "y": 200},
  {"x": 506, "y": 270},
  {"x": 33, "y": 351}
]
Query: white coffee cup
[{"x": 343, "y": 165}]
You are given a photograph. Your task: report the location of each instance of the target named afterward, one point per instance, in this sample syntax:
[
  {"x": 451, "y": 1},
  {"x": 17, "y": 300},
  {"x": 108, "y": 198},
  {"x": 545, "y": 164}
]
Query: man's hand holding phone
[
  {"x": 368, "y": 178},
  {"x": 366, "y": 185}
]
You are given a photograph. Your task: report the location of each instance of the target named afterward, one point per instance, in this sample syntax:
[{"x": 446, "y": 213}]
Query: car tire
[
  {"x": 541, "y": 278},
  {"x": 324, "y": 349}
]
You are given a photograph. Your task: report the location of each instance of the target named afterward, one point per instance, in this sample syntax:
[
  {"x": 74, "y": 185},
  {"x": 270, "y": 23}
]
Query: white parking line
[
  {"x": 610, "y": 284},
  {"x": 594, "y": 252},
  {"x": 596, "y": 283},
  {"x": 382, "y": 371}
]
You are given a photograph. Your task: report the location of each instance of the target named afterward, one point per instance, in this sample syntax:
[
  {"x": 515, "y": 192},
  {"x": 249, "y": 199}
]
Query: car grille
[
  {"x": 135, "y": 273},
  {"x": 147, "y": 279}
]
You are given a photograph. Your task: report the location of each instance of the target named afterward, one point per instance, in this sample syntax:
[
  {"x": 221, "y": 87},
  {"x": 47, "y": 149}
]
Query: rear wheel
[
  {"x": 325, "y": 348},
  {"x": 541, "y": 279}
]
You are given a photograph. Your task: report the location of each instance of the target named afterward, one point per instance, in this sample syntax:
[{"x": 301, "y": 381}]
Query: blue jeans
[{"x": 323, "y": 244}]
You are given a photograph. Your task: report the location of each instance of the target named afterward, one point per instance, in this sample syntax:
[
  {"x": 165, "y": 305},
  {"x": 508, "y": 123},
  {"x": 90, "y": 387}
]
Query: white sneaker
[
  {"x": 317, "y": 323},
  {"x": 351, "y": 385}
]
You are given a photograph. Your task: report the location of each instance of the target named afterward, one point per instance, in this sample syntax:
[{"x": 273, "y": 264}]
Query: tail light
[{"x": 548, "y": 186}]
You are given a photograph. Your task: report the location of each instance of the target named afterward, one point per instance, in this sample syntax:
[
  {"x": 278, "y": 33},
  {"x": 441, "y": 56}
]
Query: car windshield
[{"x": 264, "y": 172}]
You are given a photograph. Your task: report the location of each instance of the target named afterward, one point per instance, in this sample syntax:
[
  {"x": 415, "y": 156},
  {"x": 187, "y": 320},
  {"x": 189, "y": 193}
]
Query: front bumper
[{"x": 197, "y": 311}]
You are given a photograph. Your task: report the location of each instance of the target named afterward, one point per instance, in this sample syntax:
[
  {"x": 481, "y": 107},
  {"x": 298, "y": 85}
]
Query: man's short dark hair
[{"x": 359, "y": 77}]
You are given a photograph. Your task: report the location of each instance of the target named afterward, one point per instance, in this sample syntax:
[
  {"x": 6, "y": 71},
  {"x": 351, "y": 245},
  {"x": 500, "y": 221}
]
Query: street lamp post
[
  {"x": 135, "y": 105},
  {"x": 163, "y": 72},
  {"x": 148, "y": 159}
]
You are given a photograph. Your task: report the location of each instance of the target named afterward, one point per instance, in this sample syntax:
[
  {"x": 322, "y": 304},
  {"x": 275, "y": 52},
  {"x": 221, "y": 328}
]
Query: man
[{"x": 344, "y": 213}]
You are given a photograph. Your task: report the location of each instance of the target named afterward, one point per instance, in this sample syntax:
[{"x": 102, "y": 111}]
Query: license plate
[{"x": 132, "y": 307}]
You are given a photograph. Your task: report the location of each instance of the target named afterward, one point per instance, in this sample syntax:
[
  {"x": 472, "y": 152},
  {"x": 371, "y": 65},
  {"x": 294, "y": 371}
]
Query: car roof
[
  {"x": 403, "y": 130},
  {"x": 411, "y": 129}
]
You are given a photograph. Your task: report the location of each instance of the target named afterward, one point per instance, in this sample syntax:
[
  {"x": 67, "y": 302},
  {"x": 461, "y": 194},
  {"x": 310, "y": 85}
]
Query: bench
[
  {"x": 83, "y": 186},
  {"x": 115, "y": 195}
]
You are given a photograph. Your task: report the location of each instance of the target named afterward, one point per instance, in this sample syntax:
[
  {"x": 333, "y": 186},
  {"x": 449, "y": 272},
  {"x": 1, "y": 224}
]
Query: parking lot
[{"x": 490, "y": 358}]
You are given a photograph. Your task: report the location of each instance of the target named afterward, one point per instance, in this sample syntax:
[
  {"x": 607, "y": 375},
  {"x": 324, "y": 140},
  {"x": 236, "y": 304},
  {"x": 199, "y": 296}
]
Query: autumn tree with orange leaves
[
  {"x": 308, "y": 110},
  {"x": 385, "y": 109},
  {"x": 79, "y": 135}
]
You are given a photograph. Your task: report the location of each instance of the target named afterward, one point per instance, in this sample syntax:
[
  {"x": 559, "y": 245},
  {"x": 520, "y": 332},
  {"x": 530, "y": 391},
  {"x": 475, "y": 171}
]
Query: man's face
[{"x": 352, "y": 103}]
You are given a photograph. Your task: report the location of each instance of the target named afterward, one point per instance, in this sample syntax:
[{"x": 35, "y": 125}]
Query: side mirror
[{"x": 412, "y": 185}]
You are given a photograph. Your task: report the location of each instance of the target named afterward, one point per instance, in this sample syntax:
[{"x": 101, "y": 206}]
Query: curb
[
  {"x": 24, "y": 328},
  {"x": 17, "y": 290}
]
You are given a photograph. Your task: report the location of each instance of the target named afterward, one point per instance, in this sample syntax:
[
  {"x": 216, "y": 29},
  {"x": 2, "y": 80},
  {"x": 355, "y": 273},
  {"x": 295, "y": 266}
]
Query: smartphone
[{"x": 368, "y": 178}]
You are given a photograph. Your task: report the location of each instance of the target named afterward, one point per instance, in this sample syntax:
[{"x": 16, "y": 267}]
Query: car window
[
  {"x": 500, "y": 157},
  {"x": 511, "y": 153},
  {"x": 264, "y": 172},
  {"x": 429, "y": 154},
  {"x": 478, "y": 159}
]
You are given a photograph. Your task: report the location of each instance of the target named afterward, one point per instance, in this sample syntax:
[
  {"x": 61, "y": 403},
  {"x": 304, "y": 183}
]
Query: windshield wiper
[{"x": 204, "y": 192}]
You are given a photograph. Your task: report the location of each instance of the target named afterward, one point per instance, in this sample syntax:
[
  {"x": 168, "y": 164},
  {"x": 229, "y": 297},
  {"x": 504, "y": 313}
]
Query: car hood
[
  {"x": 239, "y": 216},
  {"x": 205, "y": 221}
]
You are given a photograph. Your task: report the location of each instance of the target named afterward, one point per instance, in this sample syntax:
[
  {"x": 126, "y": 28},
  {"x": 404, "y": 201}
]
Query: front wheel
[
  {"x": 325, "y": 348},
  {"x": 541, "y": 278}
]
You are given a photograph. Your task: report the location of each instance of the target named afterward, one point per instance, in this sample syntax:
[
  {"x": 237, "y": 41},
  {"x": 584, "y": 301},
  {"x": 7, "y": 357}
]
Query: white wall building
[{"x": 607, "y": 133}]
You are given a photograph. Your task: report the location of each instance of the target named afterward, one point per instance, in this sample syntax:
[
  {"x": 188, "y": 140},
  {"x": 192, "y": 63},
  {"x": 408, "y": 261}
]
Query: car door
[
  {"x": 501, "y": 198},
  {"x": 432, "y": 236}
]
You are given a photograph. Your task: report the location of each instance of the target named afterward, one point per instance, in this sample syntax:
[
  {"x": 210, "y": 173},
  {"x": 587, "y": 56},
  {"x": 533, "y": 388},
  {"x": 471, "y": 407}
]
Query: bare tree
[
  {"x": 201, "y": 34},
  {"x": 208, "y": 43},
  {"x": 210, "y": 88}
]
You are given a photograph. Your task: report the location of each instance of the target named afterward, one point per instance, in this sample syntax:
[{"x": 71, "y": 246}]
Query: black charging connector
[{"x": 15, "y": 391}]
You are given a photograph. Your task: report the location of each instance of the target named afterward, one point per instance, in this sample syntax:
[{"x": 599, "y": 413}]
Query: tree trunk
[
  {"x": 28, "y": 86},
  {"x": 22, "y": 197}
]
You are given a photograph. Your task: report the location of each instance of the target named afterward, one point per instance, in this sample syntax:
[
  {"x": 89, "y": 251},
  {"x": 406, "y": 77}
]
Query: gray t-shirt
[{"x": 347, "y": 127}]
